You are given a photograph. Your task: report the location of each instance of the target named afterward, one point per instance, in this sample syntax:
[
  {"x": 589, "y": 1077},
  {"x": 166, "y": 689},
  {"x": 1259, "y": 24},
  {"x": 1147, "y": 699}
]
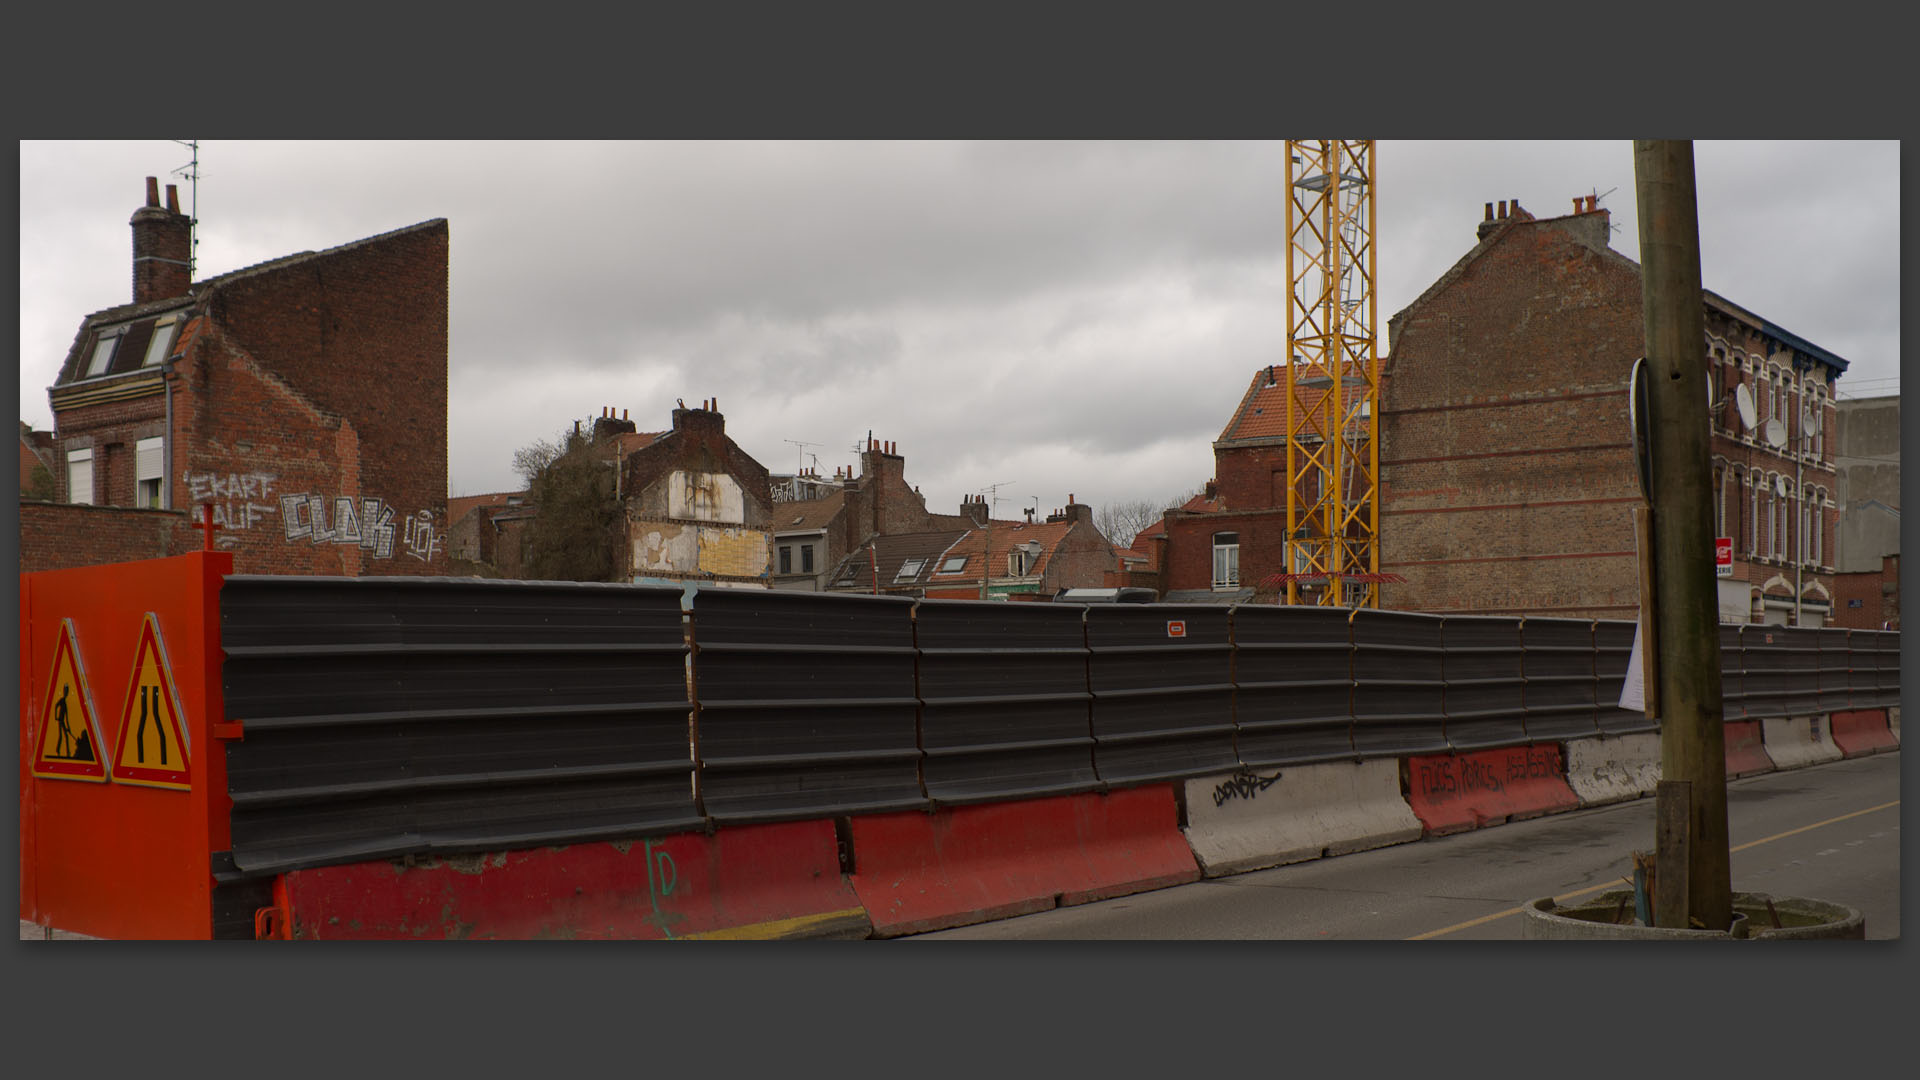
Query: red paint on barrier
[
  {"x": 916, "y": 872},
  {"x": 112, "y": 858},
  {"x": 753, "y": 881},
  {"x": 1746, "y": 751},
  {"x": 1862, "y": 732},
  {"x": 1455, "y": 792}
]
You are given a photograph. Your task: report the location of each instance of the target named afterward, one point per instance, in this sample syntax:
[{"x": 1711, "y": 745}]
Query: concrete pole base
[{"x": 1755, "y": 916}]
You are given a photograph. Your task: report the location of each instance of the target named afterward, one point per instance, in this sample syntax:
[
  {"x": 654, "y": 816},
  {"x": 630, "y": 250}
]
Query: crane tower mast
[{"x": 1333, "y": 374}]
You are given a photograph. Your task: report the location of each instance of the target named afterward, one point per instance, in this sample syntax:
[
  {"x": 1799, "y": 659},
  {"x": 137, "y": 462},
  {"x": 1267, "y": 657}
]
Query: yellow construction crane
[{"x": 1333, "y": 375}]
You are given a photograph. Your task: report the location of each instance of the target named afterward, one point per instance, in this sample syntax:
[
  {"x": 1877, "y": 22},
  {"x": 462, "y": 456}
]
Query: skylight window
[
  {"x": 103, "y": 350},
  {"x": 162, "y": 341},
  {"x": 954, "y": 565},
  {"x": 910, "y": 569}
]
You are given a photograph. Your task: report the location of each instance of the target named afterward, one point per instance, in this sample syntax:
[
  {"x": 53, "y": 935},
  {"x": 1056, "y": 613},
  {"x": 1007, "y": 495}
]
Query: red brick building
[
  {"x": 1507, "y": 476},
  {"x": 304, "y": 400},
  {"x": 1021, "y": 560},
  {"x": 813, "y": 535}
]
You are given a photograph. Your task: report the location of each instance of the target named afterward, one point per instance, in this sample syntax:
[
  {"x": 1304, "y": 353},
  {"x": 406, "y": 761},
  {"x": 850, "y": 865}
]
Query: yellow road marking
[
  {"x": 1612, "y": 885},
  {"x": 780, "y": 928}
]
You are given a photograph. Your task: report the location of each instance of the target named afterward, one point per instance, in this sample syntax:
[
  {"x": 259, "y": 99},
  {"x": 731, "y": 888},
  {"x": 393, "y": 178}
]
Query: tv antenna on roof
[
  {"x": 190, "y": 172},
  {"x": 801, "y": 461}
]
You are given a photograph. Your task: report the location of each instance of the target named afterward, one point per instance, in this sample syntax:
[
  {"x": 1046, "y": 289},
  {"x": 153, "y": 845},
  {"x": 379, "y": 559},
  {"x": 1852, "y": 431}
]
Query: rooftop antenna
[
  {"x": 800, "y": 462},
  {"x": 190, "y": 172},
  {"x": 986, "y": 565}
]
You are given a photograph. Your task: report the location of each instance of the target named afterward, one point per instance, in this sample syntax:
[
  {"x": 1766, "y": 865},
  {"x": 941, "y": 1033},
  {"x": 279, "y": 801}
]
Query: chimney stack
[{"x": 162, "y": 247}]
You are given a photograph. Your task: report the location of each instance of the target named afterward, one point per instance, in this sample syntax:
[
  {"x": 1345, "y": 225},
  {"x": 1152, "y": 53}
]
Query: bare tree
[
  {"x": 532, "y": 459},
  {"x": 1121, "y": 522}
]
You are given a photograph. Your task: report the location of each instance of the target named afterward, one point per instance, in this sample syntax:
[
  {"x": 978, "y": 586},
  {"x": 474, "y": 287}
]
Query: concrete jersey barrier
[
  {"x": 1612, "y": 769},
  {"x": 1797, "y": 741},
  {"x": 1455, "y": 792},
  {"x": 1251, "y": 819}
]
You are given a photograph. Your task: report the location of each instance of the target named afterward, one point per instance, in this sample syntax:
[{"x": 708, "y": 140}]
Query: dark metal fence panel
[
  {"x": 1733, "y": 688},
  {"x": 1161, "y": 677},
  {"x": 1004, "y": 700},
  {"x": 1782, "y": 671},
  {"x": 385, "y": 716},
  {"x": 1557, "y": 660},
  {"x": 1485, "y": 674},
  {"x": 1874, "y": 675},
  {"x": 1613, "y": 647},
  {"x": 807, "y": 704},
  {"x": 1293, "y": 688},
  {"x": 1834, "y": 660},
  {"x": 1398, "y": 683}
]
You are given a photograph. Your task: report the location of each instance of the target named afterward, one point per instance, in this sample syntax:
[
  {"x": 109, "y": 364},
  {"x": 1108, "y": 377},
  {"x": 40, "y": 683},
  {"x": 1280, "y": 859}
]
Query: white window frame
[
  {"x": 105, "y": 345},
  {"x": 80, "y": 467},
  {"x": 162, "y": 341},
  {"x": 1226, "y": 561},
  {"x": 149, "y": 468},
  {"x": 910, "y": 569}
]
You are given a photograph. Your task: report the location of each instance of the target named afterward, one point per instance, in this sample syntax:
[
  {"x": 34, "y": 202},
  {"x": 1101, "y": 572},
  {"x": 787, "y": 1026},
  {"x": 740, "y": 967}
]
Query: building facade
[
  {"x": 300, "y": 404},
  {"x": 1507, "y": 473}
]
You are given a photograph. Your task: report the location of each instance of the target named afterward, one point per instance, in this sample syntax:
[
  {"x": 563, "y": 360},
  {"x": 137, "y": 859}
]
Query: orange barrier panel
[
  {"x": 1455, "y": 792},
  {"x": 122, "y": 780},
  {"x": 753, "y": 881},
  {"x": 1863, "y": 732},
  {"x": 916, "y": 872},
  {"x": 1746, "y": 751}
]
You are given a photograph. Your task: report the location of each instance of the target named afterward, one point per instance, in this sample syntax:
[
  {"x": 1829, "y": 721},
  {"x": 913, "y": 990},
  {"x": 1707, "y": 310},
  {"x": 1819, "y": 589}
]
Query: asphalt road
[{"x": 1828, "y": 832}]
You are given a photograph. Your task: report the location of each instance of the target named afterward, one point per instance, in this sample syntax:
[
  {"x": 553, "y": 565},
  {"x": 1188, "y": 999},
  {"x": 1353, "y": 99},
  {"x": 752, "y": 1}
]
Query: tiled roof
[
  {"x": 1262, "y": 413},
  {"x": 458, "y": 507},
  {"x": 807, "y": 514},
  {"x": 198, "y": 290},
  {"x": 888, "y": 555}
]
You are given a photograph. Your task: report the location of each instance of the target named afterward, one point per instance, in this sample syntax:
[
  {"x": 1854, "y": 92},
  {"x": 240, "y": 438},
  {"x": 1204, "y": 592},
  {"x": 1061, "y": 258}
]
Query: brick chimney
[
  {"x": 1509, "y": 212},
  {"x": 162, "y": 247}
]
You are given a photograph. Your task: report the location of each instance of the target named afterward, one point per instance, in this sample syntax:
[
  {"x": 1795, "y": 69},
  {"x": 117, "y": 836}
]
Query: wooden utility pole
[{"x": 1694, "y": 885}]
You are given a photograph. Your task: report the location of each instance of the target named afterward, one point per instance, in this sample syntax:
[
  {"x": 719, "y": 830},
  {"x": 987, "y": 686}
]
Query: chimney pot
[
  {"x": 1503, "y": 209},
  {"x": 1489, "y": 216},
  {"x": 1514, "y": 205},
  {"x": 173, "y": 199},
  {"x": 1578, "y": 202},
  {"x": 153, "y": 191}
]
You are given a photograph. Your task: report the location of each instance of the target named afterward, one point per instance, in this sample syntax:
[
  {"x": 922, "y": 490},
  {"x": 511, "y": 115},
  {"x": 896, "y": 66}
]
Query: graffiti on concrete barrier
[
  {"x": 1465, "y": 776},
  {"x": 662, "y": 876},
  {"x": 1243, "y": 784}
]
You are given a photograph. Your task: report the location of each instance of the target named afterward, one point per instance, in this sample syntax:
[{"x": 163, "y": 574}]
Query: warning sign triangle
[
  {"x": 68, "y": 743},
  {"x": 153, "y": 748}
]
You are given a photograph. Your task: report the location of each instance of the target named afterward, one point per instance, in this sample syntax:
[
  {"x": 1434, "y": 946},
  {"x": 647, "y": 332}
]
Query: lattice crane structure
[{"x": 1333, "y": 375}]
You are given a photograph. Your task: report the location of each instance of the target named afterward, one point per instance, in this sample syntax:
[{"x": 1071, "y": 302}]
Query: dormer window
[
  {"x": 1016, "y": 563},
  {"x": 103, "y": 350},
  {"x": 162, "y": 341}
]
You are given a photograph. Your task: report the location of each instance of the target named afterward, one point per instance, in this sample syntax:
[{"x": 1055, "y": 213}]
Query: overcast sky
[{"x": 1052, "y": 318}]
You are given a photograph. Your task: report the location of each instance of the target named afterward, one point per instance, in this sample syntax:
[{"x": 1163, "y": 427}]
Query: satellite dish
[
  {"x": 1743, "y": 401},
  {"x": 1775, "y": 433},
  {"x": 1779, "y": 482}
]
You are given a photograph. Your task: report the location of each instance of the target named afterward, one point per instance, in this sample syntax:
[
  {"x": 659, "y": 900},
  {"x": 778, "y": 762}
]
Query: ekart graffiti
[{"x": 242, "y": 501}]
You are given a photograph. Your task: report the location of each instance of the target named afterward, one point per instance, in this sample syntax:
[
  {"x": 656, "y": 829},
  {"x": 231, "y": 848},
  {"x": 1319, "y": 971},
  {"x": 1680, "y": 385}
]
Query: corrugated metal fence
[{"x": 392, "y": 716}]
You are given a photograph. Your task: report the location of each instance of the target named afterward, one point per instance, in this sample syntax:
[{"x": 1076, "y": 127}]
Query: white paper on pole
[{"x": 1633, "y": 692}]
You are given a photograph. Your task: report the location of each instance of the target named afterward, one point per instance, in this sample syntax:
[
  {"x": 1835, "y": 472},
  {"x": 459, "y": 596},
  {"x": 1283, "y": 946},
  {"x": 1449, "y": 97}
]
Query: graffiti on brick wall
[
  {"x": 240, "y": 500},
  {"x": 367, "y": 523},
  {"x": 423, "y": 537}
]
